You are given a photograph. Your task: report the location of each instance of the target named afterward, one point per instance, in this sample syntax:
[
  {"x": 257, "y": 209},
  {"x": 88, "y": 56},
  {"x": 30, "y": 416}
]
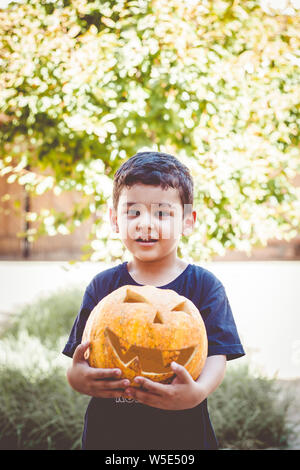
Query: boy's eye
[
  {"x": 133, "y": 212},
  {"x": 163, "y": 213},
  {"x": 136, "y": 213}
]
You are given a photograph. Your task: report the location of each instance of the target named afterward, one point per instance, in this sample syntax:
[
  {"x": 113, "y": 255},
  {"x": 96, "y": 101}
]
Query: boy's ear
[
  {"x": 189, "y": 223},
  {"x": 113, "y": 219}
]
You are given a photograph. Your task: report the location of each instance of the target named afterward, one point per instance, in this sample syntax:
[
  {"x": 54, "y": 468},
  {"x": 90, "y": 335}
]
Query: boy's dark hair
[{"x": 156, "y": 169}]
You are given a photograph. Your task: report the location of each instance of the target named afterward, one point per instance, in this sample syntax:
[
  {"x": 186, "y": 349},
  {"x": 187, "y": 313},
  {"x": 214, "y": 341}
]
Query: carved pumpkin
[{"x": 142, "y": 329}]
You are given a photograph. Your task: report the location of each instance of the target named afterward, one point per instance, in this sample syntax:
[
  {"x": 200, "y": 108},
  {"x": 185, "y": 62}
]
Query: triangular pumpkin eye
[
  {"x": 158, "y": 318},
  {"x": 134, "y": 297},
  {"x": 182, "y": 307}
]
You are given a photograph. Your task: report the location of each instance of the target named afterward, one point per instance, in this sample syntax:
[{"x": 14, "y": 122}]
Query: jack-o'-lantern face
[{"x": 142, "y": 329}]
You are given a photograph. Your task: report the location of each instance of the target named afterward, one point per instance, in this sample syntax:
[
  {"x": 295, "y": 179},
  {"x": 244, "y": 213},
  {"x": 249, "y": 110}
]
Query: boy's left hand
[{"x": 181, "y": 394}]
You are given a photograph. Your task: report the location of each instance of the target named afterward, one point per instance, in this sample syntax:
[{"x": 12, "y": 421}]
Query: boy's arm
[
  {"x": 212, "y": 374},
  {"x": 183, "y": 392},
  {"x": 100, "y": 383}
]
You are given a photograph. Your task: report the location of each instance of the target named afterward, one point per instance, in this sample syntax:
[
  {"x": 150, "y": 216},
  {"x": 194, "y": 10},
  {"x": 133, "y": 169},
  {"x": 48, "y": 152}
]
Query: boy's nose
[{"x": 145, "y": 220}]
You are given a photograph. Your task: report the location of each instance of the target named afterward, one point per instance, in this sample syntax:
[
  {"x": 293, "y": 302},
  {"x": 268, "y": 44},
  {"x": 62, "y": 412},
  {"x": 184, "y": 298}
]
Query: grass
[{"x": 39, "y": 410}]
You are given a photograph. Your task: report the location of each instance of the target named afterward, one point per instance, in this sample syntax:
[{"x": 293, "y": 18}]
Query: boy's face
[{"x": 151, "y": 221}]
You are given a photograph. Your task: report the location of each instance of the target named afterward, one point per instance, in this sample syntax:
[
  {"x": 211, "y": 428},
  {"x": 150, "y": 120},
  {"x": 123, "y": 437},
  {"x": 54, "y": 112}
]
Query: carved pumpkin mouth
[{"x": 148, "y": 359}]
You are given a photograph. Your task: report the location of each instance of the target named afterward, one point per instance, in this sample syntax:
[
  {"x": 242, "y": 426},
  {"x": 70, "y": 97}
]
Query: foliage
[
  {"x": 48, "y": 318},
  {"x": 38, "y": 409},
  {"x": 249, "y": 412},
  {"x": 44, "y": 414},
  {"x": 86, "y": 84}
]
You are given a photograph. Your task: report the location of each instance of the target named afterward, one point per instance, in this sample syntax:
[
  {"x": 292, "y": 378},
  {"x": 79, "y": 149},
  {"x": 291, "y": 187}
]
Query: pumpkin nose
[{"x": 158, "y": 318}]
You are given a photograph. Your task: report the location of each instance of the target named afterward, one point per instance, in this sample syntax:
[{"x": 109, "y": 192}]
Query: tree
[{"x": 86, "y": 84}]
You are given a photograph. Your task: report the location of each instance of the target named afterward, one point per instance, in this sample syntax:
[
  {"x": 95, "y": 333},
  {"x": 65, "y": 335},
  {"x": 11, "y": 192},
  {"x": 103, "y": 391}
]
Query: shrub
[
  {"x": 38, "y": 409},
  {"x": 44, "y": 413},
  {"x": 249, "y": 412},
  {"x": 214, "y": 82},
  {"x": 49, "y": 317}
]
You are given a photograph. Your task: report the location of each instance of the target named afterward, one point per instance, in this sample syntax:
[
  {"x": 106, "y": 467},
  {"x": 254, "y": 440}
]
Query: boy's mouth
[{"x": 146, "y": 241}]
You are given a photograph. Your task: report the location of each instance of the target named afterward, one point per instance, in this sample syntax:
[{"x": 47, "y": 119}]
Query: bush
[
  {"x": 39, "y": 410},
  {"x": 49, "y": 317},
  {"x": 215, "y": 83},
  {"x": 249, "y": 412},
  {"x": 44, "y": 413}
]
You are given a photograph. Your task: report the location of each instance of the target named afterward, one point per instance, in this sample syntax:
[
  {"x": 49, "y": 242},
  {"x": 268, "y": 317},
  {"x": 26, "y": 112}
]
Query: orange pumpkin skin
[{"x": 142, "y": 329}]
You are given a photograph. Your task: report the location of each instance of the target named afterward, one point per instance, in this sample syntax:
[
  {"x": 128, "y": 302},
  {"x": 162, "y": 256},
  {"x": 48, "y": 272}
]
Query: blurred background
[{"x": 84, "y": 85}]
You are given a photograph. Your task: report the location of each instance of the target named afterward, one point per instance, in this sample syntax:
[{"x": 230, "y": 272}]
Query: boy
[{"x": 152, "y": 208}]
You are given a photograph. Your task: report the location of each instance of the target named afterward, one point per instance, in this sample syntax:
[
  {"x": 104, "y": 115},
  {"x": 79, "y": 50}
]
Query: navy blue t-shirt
[{"x": 118, "y": 423}]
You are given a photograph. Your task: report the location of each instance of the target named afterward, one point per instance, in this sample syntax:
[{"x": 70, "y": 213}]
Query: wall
[{"x": 12, "y": 223}]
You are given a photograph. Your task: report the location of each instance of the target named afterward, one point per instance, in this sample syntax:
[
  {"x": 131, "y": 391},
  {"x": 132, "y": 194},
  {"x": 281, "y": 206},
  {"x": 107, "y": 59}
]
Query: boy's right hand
[{"x": 100, "y": 383}]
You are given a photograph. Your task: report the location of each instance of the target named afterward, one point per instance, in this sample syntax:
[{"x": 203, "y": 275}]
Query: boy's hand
[
  {"x": 100, "y": 383},
  {"x": 181, "y": 394}
]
